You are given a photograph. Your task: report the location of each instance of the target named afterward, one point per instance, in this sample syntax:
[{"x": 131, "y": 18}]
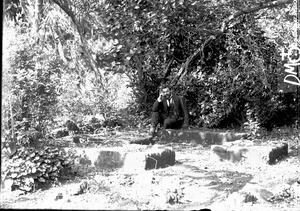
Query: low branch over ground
[
  {"x": 185, "y": 65},
  {"x": 65, "y": 6},
  {"x": 242, "y": 11},
  {"x": 254, "y": 9}
]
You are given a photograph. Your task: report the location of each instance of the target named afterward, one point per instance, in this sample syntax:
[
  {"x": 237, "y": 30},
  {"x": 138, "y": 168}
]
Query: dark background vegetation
[{"x": 80, "y": 59}]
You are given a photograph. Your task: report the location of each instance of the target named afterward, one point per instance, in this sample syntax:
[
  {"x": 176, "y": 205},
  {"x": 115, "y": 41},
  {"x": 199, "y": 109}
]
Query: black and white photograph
[{"x": 150, "y": 105}]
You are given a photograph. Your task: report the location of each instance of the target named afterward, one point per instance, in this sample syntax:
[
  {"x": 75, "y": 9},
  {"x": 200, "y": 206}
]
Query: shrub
[{"x": 30, "y": 168}]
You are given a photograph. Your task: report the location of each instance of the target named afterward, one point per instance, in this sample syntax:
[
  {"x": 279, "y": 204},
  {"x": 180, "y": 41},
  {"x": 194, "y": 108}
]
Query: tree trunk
[
  {"x": 168, "y": 70},
  {"x": 141, "y": 78},
  {"x": 38, "y": 13},
  {"x": 85, "y": 47},
  {"x": 13, "y": 134},
  {"x": 184, "y": 67}
]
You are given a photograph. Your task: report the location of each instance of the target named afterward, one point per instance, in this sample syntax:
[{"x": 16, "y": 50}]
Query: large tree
[
  {"x": 212, "y": 49},
  {"x": 205, "y": 48}
]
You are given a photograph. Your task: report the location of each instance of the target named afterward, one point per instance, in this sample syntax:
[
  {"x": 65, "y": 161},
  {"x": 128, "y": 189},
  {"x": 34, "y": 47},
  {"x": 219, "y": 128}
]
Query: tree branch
[
  {"x": 254, "y": 9},
  {"x": 204, "y": 31},
  {"x": 168, "y": 70},
  {"x": 185, "y": 65},
  {"x": 248, "y": 10},
  {"x": 240, "y": 12},
  {"x": 64, "y": 5}
]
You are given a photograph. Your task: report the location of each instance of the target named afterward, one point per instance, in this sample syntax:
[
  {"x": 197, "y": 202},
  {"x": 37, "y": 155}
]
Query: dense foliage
[
  {"x": 76, "y": 58},
  {"x": 219, "y": 66}
]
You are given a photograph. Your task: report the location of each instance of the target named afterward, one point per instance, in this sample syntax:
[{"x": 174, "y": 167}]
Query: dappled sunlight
[{"x": 91, "y": 89}]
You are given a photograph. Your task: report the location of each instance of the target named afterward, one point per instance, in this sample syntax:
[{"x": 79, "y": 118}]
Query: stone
[
  {"x": 106, "y": 158},
  {"x": 160, "y": 158},
  {"x": 133, "y": 162},
  {"x": 278, "y": 152},
  {"x": 232, "y": 153},
  {"x": 110, "y": 159},
  {"x": 199, "y": 136},
  {"x": 150, "y": 158},
  {"x": 128, "y": 159},
  {"x": 269, "y": 154}
]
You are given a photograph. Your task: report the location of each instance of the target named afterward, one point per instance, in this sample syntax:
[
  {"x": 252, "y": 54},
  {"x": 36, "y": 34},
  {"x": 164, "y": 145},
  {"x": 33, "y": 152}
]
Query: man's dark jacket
[{"x": 177, "y": 109}]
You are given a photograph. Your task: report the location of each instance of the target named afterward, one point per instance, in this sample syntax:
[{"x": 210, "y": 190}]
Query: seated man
[{"x": 169, "y": 110}]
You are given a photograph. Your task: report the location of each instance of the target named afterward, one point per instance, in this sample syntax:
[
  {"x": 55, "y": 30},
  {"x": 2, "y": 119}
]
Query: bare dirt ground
[{"x": 196, "y": 181}]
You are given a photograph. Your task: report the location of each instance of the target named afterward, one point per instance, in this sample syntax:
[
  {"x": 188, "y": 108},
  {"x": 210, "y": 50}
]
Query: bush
[
  {"x": 31, "y": 77},
  {"x": 30, "y": 168}
]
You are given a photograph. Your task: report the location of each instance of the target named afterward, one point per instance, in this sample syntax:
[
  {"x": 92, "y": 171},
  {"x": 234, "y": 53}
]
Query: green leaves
[
  {"x": 33, "y": 75},
  {"x": 30, "y": 166}
]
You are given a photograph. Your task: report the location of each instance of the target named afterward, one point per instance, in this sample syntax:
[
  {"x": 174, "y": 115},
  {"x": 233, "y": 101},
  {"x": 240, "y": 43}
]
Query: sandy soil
[{"x": 196, "y": 181}]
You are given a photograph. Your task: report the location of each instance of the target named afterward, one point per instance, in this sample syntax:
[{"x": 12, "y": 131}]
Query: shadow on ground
[{"x": 219, "y": 180}]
